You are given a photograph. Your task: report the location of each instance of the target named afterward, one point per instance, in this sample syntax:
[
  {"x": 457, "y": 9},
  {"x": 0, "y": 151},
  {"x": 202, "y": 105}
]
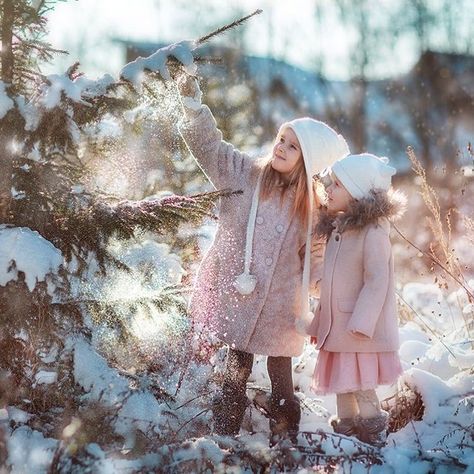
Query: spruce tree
[
  {"x": 48, "y": 127},
  {"x": 50, "y": 139}
]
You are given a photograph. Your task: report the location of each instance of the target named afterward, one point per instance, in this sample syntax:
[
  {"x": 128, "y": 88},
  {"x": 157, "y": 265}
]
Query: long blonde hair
[{"x": 272, "y": 182}]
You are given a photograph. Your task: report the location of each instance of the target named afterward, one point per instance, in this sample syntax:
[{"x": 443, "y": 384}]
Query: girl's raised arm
[{"x": 219, "y": 160}]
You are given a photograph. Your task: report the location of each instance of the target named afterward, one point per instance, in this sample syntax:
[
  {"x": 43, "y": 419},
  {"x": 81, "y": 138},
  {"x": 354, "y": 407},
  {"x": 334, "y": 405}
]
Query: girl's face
[
  {"x": 286, "y": 152},
  {"x": 338, "y": 196}
]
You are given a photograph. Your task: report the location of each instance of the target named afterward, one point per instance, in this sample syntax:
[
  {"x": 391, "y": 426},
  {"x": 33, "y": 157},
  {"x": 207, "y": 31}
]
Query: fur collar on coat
[{"x": 362, "y": 212}]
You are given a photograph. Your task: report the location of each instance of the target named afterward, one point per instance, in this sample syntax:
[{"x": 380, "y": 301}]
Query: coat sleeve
[
  {"x": 369, "y": 304},
  {"x": 219, "y": 160}
]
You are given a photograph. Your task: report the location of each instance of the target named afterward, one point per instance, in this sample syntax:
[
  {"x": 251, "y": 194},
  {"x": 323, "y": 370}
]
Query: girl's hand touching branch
[{"x": 190, "y": 92}]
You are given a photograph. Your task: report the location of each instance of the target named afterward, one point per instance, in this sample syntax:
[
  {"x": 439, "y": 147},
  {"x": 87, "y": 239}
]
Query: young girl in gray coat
[{"x": 252, "y": 286}]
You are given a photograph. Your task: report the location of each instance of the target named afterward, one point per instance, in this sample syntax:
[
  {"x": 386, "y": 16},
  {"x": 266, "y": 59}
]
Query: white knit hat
[
  {"x": 321, "y": 146},
  {"x": 360, "y": 174}
]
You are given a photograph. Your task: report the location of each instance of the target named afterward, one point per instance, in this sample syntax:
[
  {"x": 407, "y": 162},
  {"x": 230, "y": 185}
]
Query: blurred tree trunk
[
  {"x": 359, "y": 115},
  {"x": 355, "y": 14},
  {"x": 360, "y": 81},
  {"x": 6, "y": 132},
  {"x": 7, "y": 16}
]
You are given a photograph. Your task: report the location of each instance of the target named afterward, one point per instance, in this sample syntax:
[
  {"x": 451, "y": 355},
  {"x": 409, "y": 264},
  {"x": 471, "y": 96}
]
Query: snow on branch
[{"x": 178, "y": 56}]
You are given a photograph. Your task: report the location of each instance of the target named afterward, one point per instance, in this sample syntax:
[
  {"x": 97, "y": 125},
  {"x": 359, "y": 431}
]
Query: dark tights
[{"x": 234, "y": 401}]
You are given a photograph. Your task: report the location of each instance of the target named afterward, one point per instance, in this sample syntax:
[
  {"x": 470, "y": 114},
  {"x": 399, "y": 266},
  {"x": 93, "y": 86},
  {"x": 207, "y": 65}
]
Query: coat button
[
  {"x": 269, "y": 261},
  {"x": 336, "y": 238},
  {"x": 279, "y": 228},
  {"x": 259, "y": 220}
]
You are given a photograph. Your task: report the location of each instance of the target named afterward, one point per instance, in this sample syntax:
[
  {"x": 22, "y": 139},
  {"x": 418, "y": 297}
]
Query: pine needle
[{"x": 223, "y": 29}]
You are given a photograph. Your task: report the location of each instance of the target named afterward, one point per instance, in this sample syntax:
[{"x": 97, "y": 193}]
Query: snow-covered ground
[
  {"x": 154, "y": 416},
  {"x": 436, "y": 351}
]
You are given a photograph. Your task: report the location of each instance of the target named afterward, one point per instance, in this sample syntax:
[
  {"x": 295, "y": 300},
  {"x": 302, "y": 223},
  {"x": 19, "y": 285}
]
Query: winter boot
[
  {"x": 228, "y": 413},
  {"x": 285, "y": 418},
  {"x": 344, "y": 426},
  {"x": 373, "y": 430}
]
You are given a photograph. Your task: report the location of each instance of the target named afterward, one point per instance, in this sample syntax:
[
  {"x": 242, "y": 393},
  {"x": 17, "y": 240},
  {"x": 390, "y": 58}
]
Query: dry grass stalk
[
  {"x": 442, "y": 254},
  {"x": 442, "y": 249},
  {"x": 405, "y": 314},
  {"x": 469, "y": 226}
]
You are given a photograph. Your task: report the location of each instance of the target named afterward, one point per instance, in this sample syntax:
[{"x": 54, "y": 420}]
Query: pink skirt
[{"x": 343, "y": 372}]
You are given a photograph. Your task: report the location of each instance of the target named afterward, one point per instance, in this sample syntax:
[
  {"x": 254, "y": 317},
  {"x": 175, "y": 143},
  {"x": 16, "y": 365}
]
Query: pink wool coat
[
  {"x": 264, "y": 321},
  {"x": 357, "y": 287}
]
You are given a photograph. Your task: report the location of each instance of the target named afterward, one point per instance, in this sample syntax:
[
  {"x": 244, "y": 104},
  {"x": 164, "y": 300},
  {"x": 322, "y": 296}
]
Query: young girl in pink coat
[
  {"x": 355, "y": 325},
  {"x": 252, "y": 286}
]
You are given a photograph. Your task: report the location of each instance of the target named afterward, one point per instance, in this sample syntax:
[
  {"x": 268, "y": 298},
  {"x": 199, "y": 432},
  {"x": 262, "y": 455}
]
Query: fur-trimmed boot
[
  {"x": 228, "y": 413},
  {"x": 373, "y": 430},
  {"x": 285, "y": 416},
  {"x": 344, "y": 426}
]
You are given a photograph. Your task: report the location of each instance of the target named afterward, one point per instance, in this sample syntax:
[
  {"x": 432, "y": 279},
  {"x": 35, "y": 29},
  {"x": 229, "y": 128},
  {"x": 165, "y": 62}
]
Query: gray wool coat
[{"x": 264, "y": 321}]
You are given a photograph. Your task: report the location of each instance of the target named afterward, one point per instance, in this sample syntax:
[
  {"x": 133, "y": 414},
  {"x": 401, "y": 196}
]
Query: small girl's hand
[
  {"x": 190, "y": 92},
  {"x": 188, "y": 85},
  {"x": 359, "y": 335},
  {"x": 313, "y": 340}
]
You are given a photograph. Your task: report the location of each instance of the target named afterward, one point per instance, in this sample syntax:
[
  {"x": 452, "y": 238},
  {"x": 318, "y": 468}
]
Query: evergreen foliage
[
  {"x": 50, "y": 133},
  {"x": 44, "y": 140}
]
